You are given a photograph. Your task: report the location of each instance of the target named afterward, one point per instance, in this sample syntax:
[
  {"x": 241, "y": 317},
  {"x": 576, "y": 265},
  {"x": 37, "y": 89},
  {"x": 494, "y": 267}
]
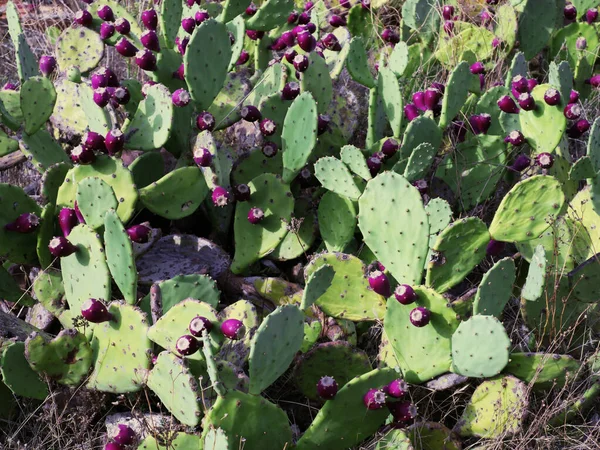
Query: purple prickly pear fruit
[
  {"x": 520, "y": 163},
  {"x": 67, "y": 220},
  {"x": 402, "y": 411},
  {"x": 122, "y": 26},
  {"x": 139, "y": 233},
  {"x": 241, "y": 192},
  {"x": 480, "y": 123},
  {"x": 526, "y": 101},
  {"x": 460, "y": 130},
  {"x": 267, "y": 127},
  {"x": 581, "y": 43},
  {"x": 255, "y": 35},
  {"x": 303, "y": 18},
  {"x": 149, "y": 40},
  {"x": 180, "y": 73},
  {"x": 113, "y": 446},
  {"x": 220, "y": 196},
  {"x": 337, "y": 21},
  {"x": 233, "y": 329},
  {"x": 366, "y": 4},
  {"x": 101, "y": 97},
  {"x": 486, "y": 17},
  {"x": 594, "y": 81},
  {"x": 449, "y": 27},
  {"x": 311, "y": 27},
  {"x": 327, "y": 387},
  {"x": 411, "y": 112},
  {"x": 508, "y": 105},
  {"x": 397, "y": 388},
  {"x": 289, "y": 55},
  {"x": 188, "y": 24},
  {"x": 448, "y": 12},
  {"x": 418, "y": 99},
  {"x": 431, "y": 98},
  {"x": 182, "y": 45},
  {"x": 288, "y": 38},
  {"x": 290, "y": 91},
  {"x": 203, "y": 157},
  {"x": 255, "y": 215},
  {"x": 374, "y": 399},
  {"x": 250, "y": 113},
  {"x": 515, "y": 138},
  {"x": 390, "y": 36},
  {"x": 146, "y": 60},
  {"x": 519, "y": 84},
  {"x": 582, "y": 125},
  {"x": 201, "y": 16},
  {"x": 570, "y": 12},
  {"x": 322, "y": 123},
  {"x": 494, "y": 247},
  {"x": 379, "y": 283},
  {"x": 251, "y": 9},
  {"x": 420, "y": 316},
  {"x": 187, "y": 345},
  {"x": 544, "y": 160},
  {"x": 390, "y": 147},
  {"x": 374, "y": 165},
  {"x": 439, "y": 86},
  {"x": 243, "y": 58},
  {"x": 25, "y": 223},
  {"x": 78, "y": 213},
  {"x": 125, "y": 48},
  {"x": 269, "y": 149},
  {"x": 107, "y": 30},
  {"x": 299, "y": 29},
  {"x": 531, "y": 83},
  {"x": 94, "y": 141},
  {"x": 573, "y": 111},
  {"x": 306, "y": 41},
  {"x": 330, "y": 42},
  {"x": 496, "y": 42},
  {"x": 477, "y": 68},
  {"x": 421, "y": 186},
  {"x": 95, "y": 311},
  {"x": 10, "y": 87},
  {"x": 300, "y": 63},
  {"x": 150, "y": 19},
  {"x": 60, "y": 247},
  {"x": 82, "y": 155},
  {"x": 122, "y": 95},
  {"x": 278, "y": 45},
  {"x": 345, "y": 4},
  {"x": 47, "y": 64},
  {"x": 199, "y": 324},
  {"x": 99, "y": 78},
  {"x": 308, "y": 6},
  {"x": 293, "y": 17},
  {"x": 205, "y": 121},
  {"x": 105, "y": 13},
  {"x": 181, "y": 98},
  {"x": 591, "y": 15},
  {"x": 114, "y": 141},
  {"x": 552, "y": 97},
  {"x": 405, "y": 294},
  {"x": 125, "y": 436},
  {"x": 83, "y": 18}
]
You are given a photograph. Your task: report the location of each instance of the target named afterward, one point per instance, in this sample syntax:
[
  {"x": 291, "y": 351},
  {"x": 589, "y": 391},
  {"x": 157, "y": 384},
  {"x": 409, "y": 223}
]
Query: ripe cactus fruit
[
  {"x": 420, "y": 316},
  {"x": 267, "y": 127},
  {"x": 113, "y": 446},
  {"x": 121, "y": 95},
  {"x": 390, "y": 147},
  {"x": 374, "y": 399},
  {"x": 105, "y": 13},
  {"x": 480, "y": 123},
  {"x": 379, "y": 283},
  {"x": 125, "y": 48},
  {"x": 82, "y": 155},
  {"x": 122, "y": 26},
  {"x": 250, "y": 113},
  {"x": 402, "y": 411},
  {"x": 397, "y": 388},
  {"x": 411, "y": 112},
  {"x": 544, "y": 160},
  {"x": 515, "y": 138},
  {"x": 405, "y": 294},
  {"x": 431, "y": 98},
  {"x": 181, "y": 98},
  {"x": 519, "y": 84},
  {"x": 201, "y": 16},
  {"x": 60, "y": 247},
  {"x": 220, "y": 196},
  {"x": 188, "y": 24},
  {"x": 114, "y": 141},
  {"x": 149, "y": 40},
  {"x": 570, "y": 12},
  {"x": 494, "y": 248},
  {"x": 508, "y": 105},
  {"x": 300, "y": 63},
  {"x": 47, "y": 64},
  {"x": 327, "y": 387},
  {"x": 374, "y": 165},
  {"x": 591, "y": 15},
  {"x": 241, "y": 192},
  {"x": 448, "y": 12},
  {"x": 95, "y": 311},
  {"x": 290, "y": 91},
  {"x": 93, "y": 141},
  {"x": 205, "y": 121},
  {"x": 199, "y": 324},
  {"x": 269, "y": 149},
  {"x": 573, "y": 96},
  {"x": 337, "y": 21},
  {"x": 67, "y": 220},
  {"x": 25, "y": 223},
  {"x": 233, "y": 329},
  {"x": 101, "y": 97},
  {"x": 255, "y": 215},
  {"x": 526, "y": 101},
  {"x": 306, "y": 41},
  {"x": 107, "y": 30},
  {"x": 187, "y": 345},
  {"x": 330, "y": 42},
  {"x": 139, "y": 233},
  {"x": 146, "y": 60},
  {"x": 243, "y": 58},
  {"x": 477, "y": 68},
  {"x": 125, "y": 436},
  {"x": 83, "y": 18},
  {"x": 449, "y": 27},
  {"x": 418, "y": 99},
  {"x": 573, "y": 111},
  {"x": 203, "y": 157}
]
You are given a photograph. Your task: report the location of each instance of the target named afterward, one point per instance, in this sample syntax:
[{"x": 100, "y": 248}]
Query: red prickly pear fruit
[
  {"x": 449, "y": 27},
  {"x": 390, "y": 36},
  {"x": 93, "y": 141},
  {"x": 100, "y": 78},
  {"x": 201, "y": 16},
  {"x": 10, "y": 87},
  {"x": 405, "y": 294},
  {"x": 290, "y": 91},
  {"x": 67, "y": 220},
  {"x": 114, "y": 141},
  {"x": 477, "y": 68},
  {"x": 390, "y": 147},
  {"x": 526, "y": 101},
  {"x": 379, "y": 283},
  {"x": 205, "y": 121},
  {"x": 267, "y": 127},
  {"x": 187, "y": 345},
  {"x": 508, "y": 105},
  {"x": 146, "y": 60},
  {"x": 233, "y": 329},
  {"x": 101, "y": 97},
  {"x": 250, "y": 113},
  {"x": 125, "y": 436},
  {"x": 278, "y": 45},
  {"x": 439, "y": 86},
  {"x": 255, "y": 35},
  {"x": 300, "y": 63},
  {"x": 125, "y": 48},
  {"x": 582, "y": 126},
  {"x": 431, "y": 98},
  {"x": 366, "y": 4},
  {"x": 337, "y": 21},
  {"x": 420, "y": 316},
  {"x": 519, "y": 84},
  {"x": 591, "y": 15},
  {"x": 552, "y": 97},
  {"x": 327, "y": 387},
  {"x": 180, "y": 73},
  {"x": 149, "y": 40},
  {"x": 544, "y": 160},
  {"x": 594, "y": 81},
  {"x": 515, "y": 138},
  {"x": 60, "y": 247},
  {"x": 203, "y": 157},
  {"x": 122, "y": 95},
  {"x": 269, "y": 149},
  {"x": 573, "y": 111},
  {"x": 418, "y": 99},
  {"x": 25, "y": 223},
  {"x": 374, "y": 164},
  {"x": 311, "y": 27},
  {"x": 448, "y": 12},
  {"x": 322, "y": 123},
  {"x": 345, "y": 4},
  {"x": 374, "y": 399},
  {"x": 330, "y": 42},
  {"x": 402, "y": 411},
  {"x": 95, "y": 311},
  {"x": 496, "y": 42},
  {"x": 181, "y": 98},
  {"x": 308, "y": 6},
  {"x": 251, "y": 9},
  {"x": 293, "y": 17},
  {"x": 288, "y": 38},
  {"x": 411, "y": 112},
  {"x": 199, "y": 324},
  {"x": 520, "y": 163},
  {"x": 107, "y": 30},
  {"x": 83, "y": 155},
  {"x": 188, "y": 24},
  {"x": 494, "y": 248},
  {"x": 47, "y": 64},
  {"x": 299, "y": 29},
  {"x": 83, "y": 18},
  {"x": 460, "y": 130},
  {"x": 397, "y": 388},
  {"x": 255, "y": 215},
  {"x": 303, "y": 18},
  {"x": 241, "y": 192},
  {"x": 486, "y": 17},
  {"x": 570, "y": 12},
  {"x": 289, "y": 55},
  {"x": 122, "y": 26},
  {"x": 105, "y": 13},
  {"x": 139, "y": 233},
  {"x": 306, "y": 41},
  {"x": 243, "y": 58},
  {"x": 113, "y": 446},
  {"x": 220, "y": 196},
  {"x": 150, "y": 19},
  {"x": 182, "y": 45},
  {"x": 480, "y": 123}
]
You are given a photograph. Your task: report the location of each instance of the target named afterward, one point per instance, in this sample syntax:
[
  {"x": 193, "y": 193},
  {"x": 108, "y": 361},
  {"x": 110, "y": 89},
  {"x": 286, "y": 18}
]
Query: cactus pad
[
  {"x": 534, "y": 124},
  {"x": 430, "y": 435},
  {"x": 173, "y": 441},
  {"x": 495, "y": 288},
  {"x": 440, "y": 214},
  {"x": 357, "y": 63},
  {"x": 543, "y": 370},
  {"x": 45, "y": 234},
  {"x": 536, "y": 276},
  {"x": 337, "y": 221},
  {"x": 419, "y": 162},
  {"x": 584, "y": 280},
  {"x": 237, "y": 351},
  {"x": 18, "y": 376},
  {"x": 392, "y": 98},
  {"x": 94, "y": 198},
  {"x": 43, "y": 151},
  {"x": 298, "y": 241},
  {"x": 251, "y": 165},
  {"x": 270, "y": 15},
  {"x": 316, "y": 285},
  {"x": 119, "y": 256},
  {"x": 70, "y": 53},
  {"x": 37, "y": 102},
  {"x": 316, "y": 81},
  {"x": 456, "y": 93},
  {"x": 49, "y": 290},
  {"x": 355, "y": 160},
  {"x": 335, "y": 176}
]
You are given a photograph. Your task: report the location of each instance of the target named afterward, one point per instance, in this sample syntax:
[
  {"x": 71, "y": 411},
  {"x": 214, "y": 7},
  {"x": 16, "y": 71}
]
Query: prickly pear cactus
[{"x": 18, "y": 375}]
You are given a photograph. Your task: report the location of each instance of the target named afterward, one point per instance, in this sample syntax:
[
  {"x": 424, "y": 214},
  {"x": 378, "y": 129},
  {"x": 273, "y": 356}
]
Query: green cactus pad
[
  {"x": 299, "y": 135},
  {"x": 271, "y": 82},
  {"x": 422, "y": 353},
  {"x": 339, "y": 360},
  {"x": 119, "y": 256},
  {"x": 75, "y": 110},
  {"x": 275, "y": 108},
  {"x": 170, "y": 20},
  {"x": 561, "y": 76},
  {"x": 496, "y": 408},
  {"x": 11, "y": 291},
  {"x": 10, "y": 109},
  {"x": 110, "y": 170},
  {"x": 420, "y": 161},
  {"x": 45, "y": 234},
  {"x": 253, "y": 420},
  {"x": 52, "y": 179},
  {"x": 389, "y": 196},
  {"x": 25, "y": 58},
  {"x": 422, "y": 17},
  {"x": 271, "y": 14},
  {"x": 121, "y": 351},
  {"x": 349, "y": 296},
  {"x": 69, "y": 51},
  {"x": 396, "y": 439},
  {"x": 581, "y": 210},
  {"x": 467, "y": 38},
  {"x": 18, "y": 376},
  {"x": 432, "y": 435},
  {"x": 348, "y": 404},
  {"x": 593, "y": 146},
  {"x": 215, "y": 439},
  {"x": 336, "y": 61},
  {"x": 355, "y": 160},
  {"x": 147, "y": 168},
  {"x": 440, "y": 214},
  {"x": 488, "y": 104},
  {"x": 176, "y": 195},
  {"x": 94, "y": 198},
  {"x": 173, "y": 441},
  {"x": 7, "y": 145},
  {"x": 495, "y": 288},
  {"x": 584, "y": 280},
  {"x": 298, "y": 242},
  {"x": 257, "y": 240},
  {"x": 337, "y": 221},
  {"x": 582, "y": 168},
  {"x": 226, "y": 106},
  {"x": 357, "y": 63},
  {"x": 49, "y": 290},
  {"x": 316, "y": 81},
  {"x": 392, "y": 98},
  {"x": 37, "y": 102},
  {"x": 422, "y": 129},
  {"x": 534, "y": 123},
  {"x": 43, "y": 151},
  {"x": 253, "y": 164},
  {"x": 543, "y": 370},
  {"x": 456, "y": 93},
  {"x": 237, "y": 352},
  {"x": 19, "y": 248},
  {"x": 528, "y": 209},
  {"x": 274, "y": 346},
  {"x": 67, "y": 358},
  {"x": 177, "y": 388},
  {"x": 536, "y": 24},
  {"x": 335, "y": 176},
  {"x": 480, "y": 347},
  {"x": 316, "y": 285},
  {"x": 536, "y": 276}
]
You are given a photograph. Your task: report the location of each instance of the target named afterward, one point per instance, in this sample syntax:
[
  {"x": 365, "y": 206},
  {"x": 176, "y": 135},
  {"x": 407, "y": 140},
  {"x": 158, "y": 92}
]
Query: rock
[
  {"x": 143, "y": 424},
  {"x": 39, "y": 317}
]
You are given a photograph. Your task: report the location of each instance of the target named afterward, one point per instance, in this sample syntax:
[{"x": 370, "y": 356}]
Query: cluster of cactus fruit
[{"x": 395, "y": 233}]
